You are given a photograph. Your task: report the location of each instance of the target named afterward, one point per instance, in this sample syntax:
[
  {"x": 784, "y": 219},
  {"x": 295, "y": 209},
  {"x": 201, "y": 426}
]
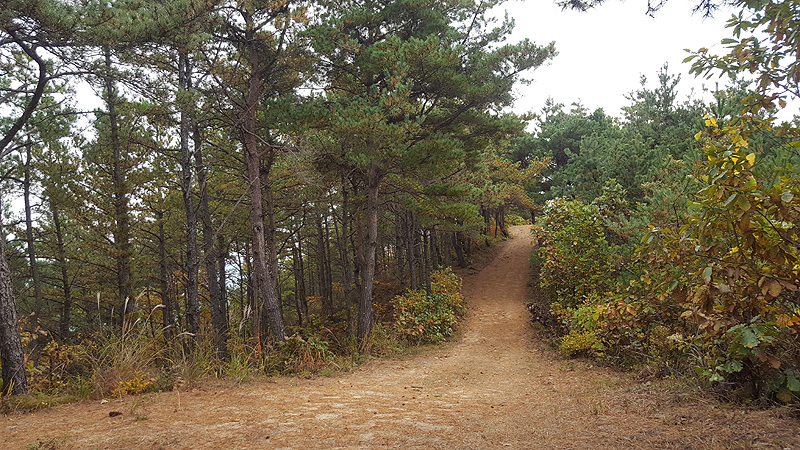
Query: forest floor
[{"x": 493, "y": 387}]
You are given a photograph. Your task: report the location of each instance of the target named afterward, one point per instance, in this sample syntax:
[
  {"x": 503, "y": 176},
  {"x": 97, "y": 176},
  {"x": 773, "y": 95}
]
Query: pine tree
[{"x": 413, "y": 87}]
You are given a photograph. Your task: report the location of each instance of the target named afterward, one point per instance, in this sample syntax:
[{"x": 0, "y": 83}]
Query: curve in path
[{"x": 490, "y": 389}]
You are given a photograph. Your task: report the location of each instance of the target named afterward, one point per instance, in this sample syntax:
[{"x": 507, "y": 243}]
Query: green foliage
[
  {"x": 763, "y": 43},
  {"x": 732, "y": 268},
  {"x": 513, "y": 219},
  {"x": 420, "y": 317},
  {"x": 716, "y": 292},
  {"x": 580, "y": 342},
  {"x": 574, "y": 251}
]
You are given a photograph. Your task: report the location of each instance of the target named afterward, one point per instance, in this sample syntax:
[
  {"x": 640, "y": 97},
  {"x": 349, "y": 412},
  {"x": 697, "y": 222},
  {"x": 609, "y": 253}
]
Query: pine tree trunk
[
  {"x": 436, "y": 252},
  {"x": 167, "y": 313},
  {"x": 219, "y": 320},
  {"x": 12, "y": 359},
  {"x": 366, "y": 317},
  {"x": 263, "y": 279},
  {"x": 322, "y": 268},
  {"x": 457, "y": 244},
  {"x": 61, "y": 262},
  {"x": 122, "y": 244},
  {"x": 348, "y": 281},
  {"x": 329, "y": 266},
  {"x": 270, "y": 235},
  {"x": 192, "y": 253},
  {"x": 34, "y": 266},
  {"x": 410, "y": 252},
  {"x": 303, "y": 294},
  {"x": 253, "y": 298},
  {"x": 419, "y": 261},
  {"x": 487, "y": 220},
  {"x": 446, "y": 249},
  {"x": 426, "y": 257},
  {"x": 501, "y": 220},
  {"x": 298, "y": 285},
  {"x": 222, "y": 253},
  {"x": 399, "y": 246}
]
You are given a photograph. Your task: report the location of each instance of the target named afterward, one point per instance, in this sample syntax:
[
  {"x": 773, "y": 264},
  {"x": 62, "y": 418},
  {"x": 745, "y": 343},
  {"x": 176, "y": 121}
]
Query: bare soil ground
[{"x": 492, "y": 388}]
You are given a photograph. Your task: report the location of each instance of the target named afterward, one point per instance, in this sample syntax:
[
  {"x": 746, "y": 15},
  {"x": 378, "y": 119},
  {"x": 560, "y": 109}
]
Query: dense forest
[{"x": 270, "y": 183}]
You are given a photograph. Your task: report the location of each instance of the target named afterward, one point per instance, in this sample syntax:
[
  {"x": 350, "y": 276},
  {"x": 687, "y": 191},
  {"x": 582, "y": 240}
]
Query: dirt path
[{"x": 492, "y": 389}]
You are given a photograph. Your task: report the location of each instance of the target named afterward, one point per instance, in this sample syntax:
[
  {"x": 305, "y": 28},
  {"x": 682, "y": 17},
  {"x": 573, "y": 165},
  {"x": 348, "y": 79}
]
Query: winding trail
[{"x": 490, "y": 389}]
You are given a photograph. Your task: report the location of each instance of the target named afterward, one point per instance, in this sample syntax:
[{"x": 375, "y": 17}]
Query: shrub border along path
[{"x": 490, "y": 389}]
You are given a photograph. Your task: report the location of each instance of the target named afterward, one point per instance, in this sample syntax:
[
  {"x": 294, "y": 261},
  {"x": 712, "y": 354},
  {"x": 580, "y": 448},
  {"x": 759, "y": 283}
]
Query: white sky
[{"x": 603, "y": 52}]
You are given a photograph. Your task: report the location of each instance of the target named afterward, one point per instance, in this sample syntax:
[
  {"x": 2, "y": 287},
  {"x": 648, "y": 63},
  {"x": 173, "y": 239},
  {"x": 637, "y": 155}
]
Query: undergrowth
[{"x": 134, "y": 360}]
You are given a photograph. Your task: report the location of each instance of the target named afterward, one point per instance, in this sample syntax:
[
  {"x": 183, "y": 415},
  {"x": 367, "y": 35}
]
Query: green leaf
[
  {"x": 732, "y": 366},
  {"x": 730, "y": 199},
  {"x": 707, "y": 272},
  {"x": 749, "y": 339},
  {"x": 792, "y": 383},
  {"x": 743, "y": 203}
]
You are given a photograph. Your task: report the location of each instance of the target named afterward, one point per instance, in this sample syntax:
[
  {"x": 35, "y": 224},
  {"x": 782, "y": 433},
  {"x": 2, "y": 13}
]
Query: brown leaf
[{"x": 772, "y": 287}]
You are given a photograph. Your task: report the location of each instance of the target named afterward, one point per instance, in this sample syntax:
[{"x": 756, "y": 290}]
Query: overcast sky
[{"x": 603, "y": 52}]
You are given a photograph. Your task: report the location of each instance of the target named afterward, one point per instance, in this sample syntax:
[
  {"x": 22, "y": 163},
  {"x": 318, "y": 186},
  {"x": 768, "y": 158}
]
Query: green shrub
[
  {"x": 513, "y": 219},
  {"x": 580, "y": 342},
  {"x": 421, "y": 318},
  {"x": 572, "y": 252}
]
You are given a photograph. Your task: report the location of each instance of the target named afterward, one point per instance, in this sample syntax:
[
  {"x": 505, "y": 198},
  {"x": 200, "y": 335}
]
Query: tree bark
[
  {"x": 219, "y": 320},
  {"x": 192, "y": 253},
  {"x": 399, "y": 231},
  {"x": 122, "y": 244},
  {"x": 446, "y": 249},
  {"x": 167, "y": 313},
  {"x": 457, "y": 244},
  {"x": 265, "y": 283},
  {"x": 410, "y": 253},
  {"x": 222, "y": 252},
  {"x": 348, "y": 276},
  {"x": 426, "y": 258},
  {"x": 436, "y": 253},
  {"x": 323, "y": 267},
  {"x": 501, "y": 220},
  {"x": 328, "y": 265},
  {"x": 366, "y": 316},
  {"x": 301, "y": 300},
  {"x": 12, "y": 359},
  {"x": 61, "y": 262},
  {"x": 34, "y": 266}
]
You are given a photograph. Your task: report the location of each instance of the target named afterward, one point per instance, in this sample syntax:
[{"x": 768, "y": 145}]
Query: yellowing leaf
[
  {"x": 783, "y": 321},
  {"x": 784, "y": 396}
]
